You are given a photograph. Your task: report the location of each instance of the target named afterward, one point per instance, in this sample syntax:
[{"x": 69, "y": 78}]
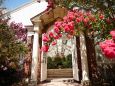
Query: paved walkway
[{"x": 60, "y": 82}]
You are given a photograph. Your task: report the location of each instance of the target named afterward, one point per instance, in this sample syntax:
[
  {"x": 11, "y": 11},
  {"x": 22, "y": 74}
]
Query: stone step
[
  {"x": 60, "y": 76},
  {"x": 60, "y": 73},
  {"x": 60, "y": 79}
]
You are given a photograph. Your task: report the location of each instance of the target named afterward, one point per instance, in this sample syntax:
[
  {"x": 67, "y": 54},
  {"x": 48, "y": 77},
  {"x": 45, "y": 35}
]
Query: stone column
[
  {"x": 74, "y": 61},
  {"x": 35, "y": 55},
  {"x": 85, "y": 72},
  {"x": 43, "y": 76}
]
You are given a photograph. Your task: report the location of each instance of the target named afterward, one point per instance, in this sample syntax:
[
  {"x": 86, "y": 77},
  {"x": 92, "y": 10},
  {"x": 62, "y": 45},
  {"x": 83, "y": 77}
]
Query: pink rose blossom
[
  {"x": 60, "y": 35},
  {"x": 108, "y": 20},
  {"x": 113, "y": 34},
  {"x": 101, "y": 16},
  {"x": 79, "y": 19},
  {"x": 102, "y": 45},
  {"x": 56, "y": 37},
  {"x": 70, "y": 13},
  {"x": 45, "y": 38},
  {"x": 54, "y": 43},
  {"x": 51, "y": 34},
  {"x": 71, "y": 17},
  {"x": 56, "y": 29},
  {"x": 72, "y": 32},
  {"x": 86, "y": 20},
  {"x": 58, "y": 24},
  {"x": 64, "y": 24},
  {"x": 45, "y": 48},
  {"x": 69, "y": 36},
  {"x": 65, "y": 19},
  {"x": 88, "y": 13},
  {"x": 66, "y": 28},
  {"x": 108, "y": 48},
  {"x": 71, "y": 25},
  {"x": 109, "y": 52},
  {"x": 80, "y": 13}
]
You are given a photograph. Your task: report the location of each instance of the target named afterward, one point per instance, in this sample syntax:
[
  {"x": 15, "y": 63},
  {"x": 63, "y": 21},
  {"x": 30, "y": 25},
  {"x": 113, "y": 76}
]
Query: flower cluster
[
  {"x": 108, "y": 46},
  {"x": 80, "y": 19},
  {"x": 74, "y": 22},
  {"x": 20, "y": 31},
  {"x": 49, "y": 38}
]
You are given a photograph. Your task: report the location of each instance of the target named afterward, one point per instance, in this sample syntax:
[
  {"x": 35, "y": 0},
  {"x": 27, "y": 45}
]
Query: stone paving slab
[{"x": 59, "y": 82}]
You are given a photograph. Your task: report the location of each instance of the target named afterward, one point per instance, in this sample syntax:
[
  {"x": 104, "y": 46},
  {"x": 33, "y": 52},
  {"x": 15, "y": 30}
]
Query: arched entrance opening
[{"x": 61, "y": 59}]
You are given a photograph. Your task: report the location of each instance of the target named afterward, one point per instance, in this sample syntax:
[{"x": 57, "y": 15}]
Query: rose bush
[
  {"x": 92, "y": 24},
  {"x": 108, "y": 46}
]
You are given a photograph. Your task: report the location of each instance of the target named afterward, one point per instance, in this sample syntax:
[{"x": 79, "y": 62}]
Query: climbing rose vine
[
  {"x": 108, "y": 46},
  {"x": 73, "y": 23}
]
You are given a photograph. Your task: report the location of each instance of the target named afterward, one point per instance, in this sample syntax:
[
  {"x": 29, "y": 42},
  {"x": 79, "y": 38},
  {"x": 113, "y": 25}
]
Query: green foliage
[
  {"x": 10, "y": 48},
  {"x": 107, "y": 6},
  {"x": 67, "y": 62},
  {"x": 59, "y": 62}
]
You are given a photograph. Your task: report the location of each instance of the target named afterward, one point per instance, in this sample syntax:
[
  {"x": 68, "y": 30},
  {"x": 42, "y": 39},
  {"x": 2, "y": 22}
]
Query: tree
[{"x": 11, "y": 43}]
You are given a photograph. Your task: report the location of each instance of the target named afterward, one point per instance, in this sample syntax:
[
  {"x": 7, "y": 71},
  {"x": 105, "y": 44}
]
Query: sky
[{"x": 12, "y": 4}]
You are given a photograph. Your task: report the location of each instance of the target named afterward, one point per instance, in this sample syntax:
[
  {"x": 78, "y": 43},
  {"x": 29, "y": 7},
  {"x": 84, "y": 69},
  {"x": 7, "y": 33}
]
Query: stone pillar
[
  {"x": 35, "y": 55},
  {"x": 85, "y": 71},
  {"x": 75, "y": 61},
  {"x": 43, "y": 76}
]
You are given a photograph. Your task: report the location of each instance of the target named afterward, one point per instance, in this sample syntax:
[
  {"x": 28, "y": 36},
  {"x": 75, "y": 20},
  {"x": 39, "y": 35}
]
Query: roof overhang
[{"x": 49, "y": 16}]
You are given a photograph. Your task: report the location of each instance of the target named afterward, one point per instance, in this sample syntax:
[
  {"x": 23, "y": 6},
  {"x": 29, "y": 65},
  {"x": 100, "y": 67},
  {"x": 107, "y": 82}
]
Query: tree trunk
[
  {"x": 79, "y": 57},
  {"x": 92, "y": 65}
]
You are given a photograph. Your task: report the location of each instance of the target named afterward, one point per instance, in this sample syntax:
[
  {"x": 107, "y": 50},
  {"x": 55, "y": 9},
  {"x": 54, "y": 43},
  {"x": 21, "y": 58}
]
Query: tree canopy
[{"x": 107, "y": 6}]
